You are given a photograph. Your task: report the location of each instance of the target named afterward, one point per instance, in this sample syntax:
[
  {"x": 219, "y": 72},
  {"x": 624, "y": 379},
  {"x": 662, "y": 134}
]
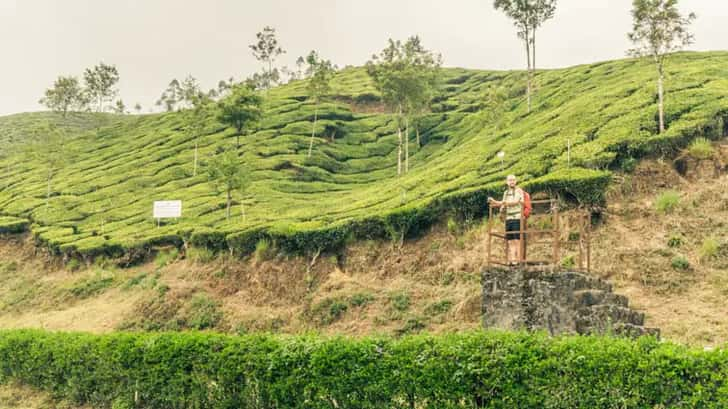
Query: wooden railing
[{"x": 553, "y": 238}]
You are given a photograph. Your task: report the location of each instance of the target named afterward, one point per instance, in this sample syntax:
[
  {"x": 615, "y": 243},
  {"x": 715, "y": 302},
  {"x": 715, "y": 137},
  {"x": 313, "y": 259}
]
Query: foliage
[
  {"x": 468, "y": 370},
  {"x": 668, "y": 201},
  {"x": 228, "y": 174},
  {"x": 709, "y": 248},
  {"x": 241, "y": 109},
  {"x": 701, "y": 148},
  {"x": 66, "y": 94},
  {"x": 680, "y": 263},
  {"x": 266, "y": 50},
  {"x": 101, "y": 199},
  {"x": 100, "y": 82}
]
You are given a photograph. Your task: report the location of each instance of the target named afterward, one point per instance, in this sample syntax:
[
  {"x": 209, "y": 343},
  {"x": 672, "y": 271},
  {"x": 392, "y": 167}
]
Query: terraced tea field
[{"x": 101, "y": 201}]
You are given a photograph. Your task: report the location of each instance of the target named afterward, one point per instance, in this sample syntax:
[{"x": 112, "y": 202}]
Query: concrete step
[{"x": 588, "y": 298}]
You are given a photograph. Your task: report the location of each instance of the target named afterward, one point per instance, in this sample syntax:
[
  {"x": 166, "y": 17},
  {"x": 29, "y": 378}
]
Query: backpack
[{"x": 527, "y": 207}]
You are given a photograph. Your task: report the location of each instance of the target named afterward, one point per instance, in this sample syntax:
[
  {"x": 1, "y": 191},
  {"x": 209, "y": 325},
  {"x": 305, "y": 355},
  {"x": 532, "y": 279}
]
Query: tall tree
[
  {"x": 528, "y": 16},
  {"x": 195, "y": 118},
  {"x": 119, "y": 107},
  {"x": 403, "y": 74},
  {"x": 189, "y": 92},
  {"x": 319, "y": 73},
  {"x": 659, "y": 29},
  {"x": 171, "y": 96},
  {"x": 228, "y": 175},
  {"x": 66, "y": 94},
  {"x": 266, "y": 50},
  {"x": 138, "y": 108},
  {"x": 100, "y": 84},
  {"x": 241, "y": 109}
]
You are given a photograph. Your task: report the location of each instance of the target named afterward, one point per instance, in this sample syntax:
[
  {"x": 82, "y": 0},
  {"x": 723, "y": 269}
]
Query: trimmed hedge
[
  {"x": 13, "y": 225},
  {"x": 470, "y": 370}
]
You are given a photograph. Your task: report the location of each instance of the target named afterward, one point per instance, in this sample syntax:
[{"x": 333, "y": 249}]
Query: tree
[
  {"x": 319, "y": 73},
  {"x": 138, "y": 108},
  {"x": 189, "y": 91},
  {"x": 241, "y": 109},
  {"x": 528, "y": 16},
  {"x": 66, "y": 94},
  {"x": 119, "y": 107},
  {"x": 659, "y": 29},
  {"x": 228, "y": 174},
  {"x": 171, "y": 96},
  {"x": 404, "y": 74},
  {"x": 100, "y": 82},
  {"x": 266, "y": 50},
  {"x": 49, "y": 146},
  {"x": 195, "y": 118}
]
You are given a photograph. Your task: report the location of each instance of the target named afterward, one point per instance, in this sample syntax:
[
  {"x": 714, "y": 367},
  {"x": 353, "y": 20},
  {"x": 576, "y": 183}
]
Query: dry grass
[
  {"x": 17, "y": 396},
  {"x": 430, "y": 284}
]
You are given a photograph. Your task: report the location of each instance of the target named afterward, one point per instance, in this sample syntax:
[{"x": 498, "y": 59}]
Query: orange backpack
[{"x": 527, "y": 207}]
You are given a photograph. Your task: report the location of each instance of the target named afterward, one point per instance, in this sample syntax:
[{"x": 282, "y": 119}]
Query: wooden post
[
  {"x": 490, "y": 229},
  {"x": 581, "y": 243},
  {"x": 522, "y": 242},
  {"x": 588, "y": 242},
  {"x": 557, "y": 234}
]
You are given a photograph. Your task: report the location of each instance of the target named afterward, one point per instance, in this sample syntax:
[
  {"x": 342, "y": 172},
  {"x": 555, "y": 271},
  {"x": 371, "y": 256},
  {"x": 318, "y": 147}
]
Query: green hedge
[
  {"x": 13, "y": 225},
  {"x": 471, "y": 370}
]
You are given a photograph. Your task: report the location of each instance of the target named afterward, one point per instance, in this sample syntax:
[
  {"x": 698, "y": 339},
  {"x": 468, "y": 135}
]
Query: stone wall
[{"x": 560, "y": 302}]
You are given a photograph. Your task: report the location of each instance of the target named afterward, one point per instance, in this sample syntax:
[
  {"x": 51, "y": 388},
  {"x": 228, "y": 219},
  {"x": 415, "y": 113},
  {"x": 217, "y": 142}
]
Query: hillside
[{"x": 101, "y": 201}]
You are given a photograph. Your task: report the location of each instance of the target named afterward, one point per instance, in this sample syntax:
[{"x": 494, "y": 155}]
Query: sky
[{"x": 154, "y": 41}]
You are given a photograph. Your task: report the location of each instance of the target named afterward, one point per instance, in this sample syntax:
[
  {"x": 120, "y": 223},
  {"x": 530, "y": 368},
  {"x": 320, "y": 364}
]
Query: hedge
[{"x": 468, "y": 370}]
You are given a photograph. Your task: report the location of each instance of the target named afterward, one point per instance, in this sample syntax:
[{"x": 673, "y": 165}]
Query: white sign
[{"x": 164, "y": 209}]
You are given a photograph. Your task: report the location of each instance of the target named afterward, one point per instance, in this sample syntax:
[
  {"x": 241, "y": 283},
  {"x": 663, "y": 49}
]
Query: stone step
[
  {"x": 588, "y": 298},
  {"x": 581, "y": 281},
  {"x": 635, "y": 331},
  {"x": 603, "y": 317}
]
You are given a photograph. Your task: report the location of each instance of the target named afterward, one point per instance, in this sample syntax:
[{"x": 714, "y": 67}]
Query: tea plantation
[{"x": 101, "y": 199}]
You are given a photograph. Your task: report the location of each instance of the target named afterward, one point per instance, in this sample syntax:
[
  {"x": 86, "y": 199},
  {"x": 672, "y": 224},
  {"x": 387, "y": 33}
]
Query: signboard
[{"x": 165, "y": 209}]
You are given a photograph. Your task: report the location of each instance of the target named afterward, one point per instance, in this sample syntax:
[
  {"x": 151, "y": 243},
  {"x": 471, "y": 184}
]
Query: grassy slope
[{"x": 607, "y": 110}]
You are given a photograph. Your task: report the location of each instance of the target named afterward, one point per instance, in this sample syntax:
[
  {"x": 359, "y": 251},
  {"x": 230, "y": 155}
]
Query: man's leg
[{"x": 516, "y": 251}]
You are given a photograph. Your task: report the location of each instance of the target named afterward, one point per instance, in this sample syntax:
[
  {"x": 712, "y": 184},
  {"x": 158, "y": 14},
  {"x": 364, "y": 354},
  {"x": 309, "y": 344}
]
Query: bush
[
  {"x": 701, "y": 148},
  {"x": 675, "y": 241},
  {"x": 709, "y": 249},
  {"x": 264, "y": 250},
  {"x": 165, "y": 257},
  {"x": 680, "y": 263},
  {"x": 200, "y": 254},
  {"x": 467, "y": 370},
  {"x": 400, "y": 301},
  {"x": 202, "y": 312},
  {"x": 667, "y": 201}
]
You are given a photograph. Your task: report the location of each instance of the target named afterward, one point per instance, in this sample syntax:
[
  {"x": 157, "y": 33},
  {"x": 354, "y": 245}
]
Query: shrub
[
  {"x": 701, "y": 148},
  {"x": 360, "y": 299},
  {"x": 166, "y": 257},
  {"x": 89, "y": 287},
  {"x": 400, "y": 301},
  {"x": 200, "y": 254},
  {"x": 328, "y": 311},
  {"x": 568, "y": 262},
  {"x": 680, "y": 263},
  {"x": 709, "y": 249},
  {"x": 202, "y": 312},
  {"x": 263, "y": 250},
  {"x": 675, "y": 241},
  {"x": 73, "y": 264},
  {"x": 466, "y": 370},
  {"x": 439, "y": 307},
  {"x": 667, "y": 201}
]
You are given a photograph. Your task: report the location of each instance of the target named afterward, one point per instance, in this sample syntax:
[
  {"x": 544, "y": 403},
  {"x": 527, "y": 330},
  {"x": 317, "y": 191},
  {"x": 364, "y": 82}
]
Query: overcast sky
[{"x": 153, "y": 41}]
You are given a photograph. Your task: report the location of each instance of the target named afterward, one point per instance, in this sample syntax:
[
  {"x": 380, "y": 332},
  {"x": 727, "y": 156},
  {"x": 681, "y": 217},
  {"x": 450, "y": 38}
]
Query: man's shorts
[{"x": 513, "y": 226}]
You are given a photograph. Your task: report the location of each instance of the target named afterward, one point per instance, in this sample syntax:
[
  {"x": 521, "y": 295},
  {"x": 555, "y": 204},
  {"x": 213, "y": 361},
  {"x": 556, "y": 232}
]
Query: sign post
[{"x": 167, "y": 209}]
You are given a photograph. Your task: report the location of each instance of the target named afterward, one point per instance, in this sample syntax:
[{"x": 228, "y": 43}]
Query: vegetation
[
  {"x": 701, "y": 148},
  {"x": 667, "y": 201},
  {"x": 101, "y": 200},
  {"x": 470, "y": 370},
  {"x": 659, "y": 30},
  {"x": 528, "y": 16}
]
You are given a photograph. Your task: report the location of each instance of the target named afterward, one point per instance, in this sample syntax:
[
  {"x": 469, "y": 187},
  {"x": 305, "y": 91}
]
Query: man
[{"x": 512, "y": 206}]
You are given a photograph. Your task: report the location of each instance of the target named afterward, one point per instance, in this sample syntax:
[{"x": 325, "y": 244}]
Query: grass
[
  {"x": 667, "y": 202},
  {"x": 701, "y": 148},
  {"x": 101, "y": 202}
]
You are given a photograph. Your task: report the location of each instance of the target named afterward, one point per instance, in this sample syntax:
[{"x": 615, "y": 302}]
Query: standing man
[{"x": 512, "y": 206}]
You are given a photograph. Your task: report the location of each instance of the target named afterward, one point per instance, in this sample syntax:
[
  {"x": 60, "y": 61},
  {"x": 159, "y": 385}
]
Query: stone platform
[{"x": 559, "y": 302}]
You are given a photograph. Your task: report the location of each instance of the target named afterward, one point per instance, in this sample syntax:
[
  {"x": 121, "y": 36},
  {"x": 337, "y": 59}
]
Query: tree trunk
[
  {"x": 313, "y": 129},
  {"x": 533, "y": 58},
  {"x": 194, "y": 166},
  {"x": 660, "y": 97},
  {"x": 528, "y": 70},
  {"x": 48, "y": 190},
  {"x": 399, "y": 147},
  {"x": 229, "y": 201},
  {"x": 406, "y": 145}
]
